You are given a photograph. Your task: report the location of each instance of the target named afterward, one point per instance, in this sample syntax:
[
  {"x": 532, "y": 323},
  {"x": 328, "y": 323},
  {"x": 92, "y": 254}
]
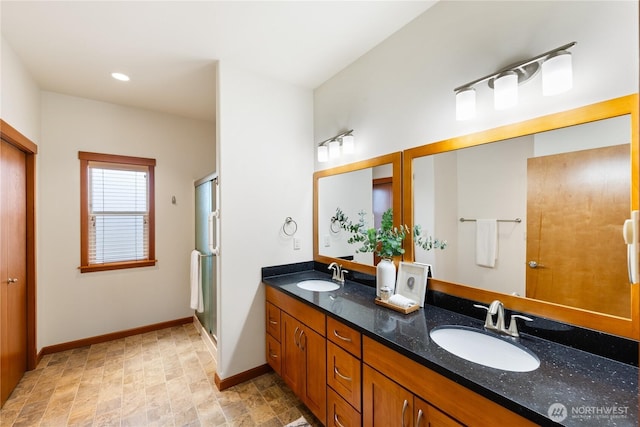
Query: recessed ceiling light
[{"x": 120, "y": 76}]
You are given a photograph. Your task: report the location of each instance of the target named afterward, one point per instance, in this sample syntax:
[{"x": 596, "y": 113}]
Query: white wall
[
  {"x": 19, "y": 95},
  {"x": 71, "y": 305},
  {"x": 400, "y": 94},
  {"x": 265, "y": 147}
]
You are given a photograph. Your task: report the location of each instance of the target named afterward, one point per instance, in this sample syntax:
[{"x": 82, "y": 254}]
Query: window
[{"x": 117, "y": 215}]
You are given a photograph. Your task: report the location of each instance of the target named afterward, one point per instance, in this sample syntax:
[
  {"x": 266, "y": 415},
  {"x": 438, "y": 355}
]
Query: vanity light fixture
[
  {"x": 332, "y": 148},
  {"x": 557, "y": 77}
]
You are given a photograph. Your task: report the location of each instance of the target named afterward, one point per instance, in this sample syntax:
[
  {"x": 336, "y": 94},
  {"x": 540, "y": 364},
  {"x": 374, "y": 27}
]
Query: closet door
[{"x": 13, "y": 254}]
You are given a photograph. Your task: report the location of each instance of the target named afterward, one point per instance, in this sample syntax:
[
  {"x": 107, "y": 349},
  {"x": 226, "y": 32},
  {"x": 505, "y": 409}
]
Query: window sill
[{"x": 116, "y": 266}]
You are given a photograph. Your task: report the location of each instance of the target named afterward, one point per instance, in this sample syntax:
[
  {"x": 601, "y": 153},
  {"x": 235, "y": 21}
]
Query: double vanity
[
  {"x": 546, "y": 335},
  {"x": 354, "y": 363}
]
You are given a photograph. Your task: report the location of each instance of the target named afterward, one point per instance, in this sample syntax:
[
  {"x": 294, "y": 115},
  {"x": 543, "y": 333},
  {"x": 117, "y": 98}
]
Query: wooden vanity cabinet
[
  {"x": 348, "y": 380},
  {"x": 387, "y": 403},
  {"x": 443, "y": 402},
  {"x": 303, "y": 349}
]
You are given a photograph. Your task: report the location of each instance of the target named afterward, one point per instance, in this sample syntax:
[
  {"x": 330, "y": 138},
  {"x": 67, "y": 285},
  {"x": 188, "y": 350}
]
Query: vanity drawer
[
  {"x": 306, "y": 314},
  {"x": 273, "y": 354},
  {"x": 344, "y": 336},
  {"x": 273, "y": 321},
  {"x": 340, "y": 413},
  {"x": 344, "y": 374}
]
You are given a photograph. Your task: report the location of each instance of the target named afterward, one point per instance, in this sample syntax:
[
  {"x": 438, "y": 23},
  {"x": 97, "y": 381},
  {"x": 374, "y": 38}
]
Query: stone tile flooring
[{"x": 161, "y": 378}]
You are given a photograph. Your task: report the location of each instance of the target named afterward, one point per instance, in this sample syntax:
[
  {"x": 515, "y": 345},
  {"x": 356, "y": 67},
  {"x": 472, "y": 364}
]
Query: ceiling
[{"x": 169, "y": 48}]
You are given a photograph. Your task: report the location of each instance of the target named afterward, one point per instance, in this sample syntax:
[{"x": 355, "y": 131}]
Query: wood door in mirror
[
  {"x": 466, "y": 280},
  {"x": 350, "y": 188}
]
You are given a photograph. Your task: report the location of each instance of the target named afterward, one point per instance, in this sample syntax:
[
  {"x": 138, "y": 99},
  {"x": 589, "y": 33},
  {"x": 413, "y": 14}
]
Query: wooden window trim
[{"x": 85, "y": 158}]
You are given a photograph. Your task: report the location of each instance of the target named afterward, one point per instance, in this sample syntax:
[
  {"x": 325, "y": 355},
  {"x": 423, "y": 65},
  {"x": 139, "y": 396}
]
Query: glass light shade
[
  {"x": 323, "y": 153},
  {"x": 557, "y": 73},
  {"x": 120, "y": 76},
  {"x": 334, "y": 149},
  {"x": 348, "y": 144},
  {"x": 465, "y": 104},
  {"x": 505, "y": 90}
]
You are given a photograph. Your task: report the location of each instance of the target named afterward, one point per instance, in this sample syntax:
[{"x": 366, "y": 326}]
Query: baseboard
[
  {"x": 112, "y": 336},
  {"x": 224, "y": 384}
]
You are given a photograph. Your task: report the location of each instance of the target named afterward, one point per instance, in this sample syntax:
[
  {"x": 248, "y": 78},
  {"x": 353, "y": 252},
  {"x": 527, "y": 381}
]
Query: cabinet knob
[
  {"x": 296, "y": 339},
  {"x": 303, "y": 344},
  {"x": 344, "y": 377},
  {"x": 12, "y": 280},
  {"x": 341, "y": 337},
  {"x": 404, "y": 409}
]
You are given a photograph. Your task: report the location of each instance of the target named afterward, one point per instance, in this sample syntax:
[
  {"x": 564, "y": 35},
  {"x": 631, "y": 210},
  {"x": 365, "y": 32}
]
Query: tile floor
[{"x": 161, "y": 378}]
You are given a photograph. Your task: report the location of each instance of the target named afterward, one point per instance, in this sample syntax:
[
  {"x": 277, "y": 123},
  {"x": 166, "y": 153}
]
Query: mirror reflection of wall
[
  {"x": 490, "y": 181},
  {"x": 366, "y": 190}
]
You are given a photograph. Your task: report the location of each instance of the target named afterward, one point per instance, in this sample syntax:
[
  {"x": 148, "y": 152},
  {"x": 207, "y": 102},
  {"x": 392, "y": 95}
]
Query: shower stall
[{"x": 206, "y": 196}]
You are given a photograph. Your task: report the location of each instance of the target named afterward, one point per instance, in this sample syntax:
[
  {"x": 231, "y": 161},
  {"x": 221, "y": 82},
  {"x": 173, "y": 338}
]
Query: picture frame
[{"x": 412, "y": 281}]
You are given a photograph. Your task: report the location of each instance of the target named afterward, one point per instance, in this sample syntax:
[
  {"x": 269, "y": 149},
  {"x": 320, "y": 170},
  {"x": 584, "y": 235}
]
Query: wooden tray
[{"x": 397, "y": 308}]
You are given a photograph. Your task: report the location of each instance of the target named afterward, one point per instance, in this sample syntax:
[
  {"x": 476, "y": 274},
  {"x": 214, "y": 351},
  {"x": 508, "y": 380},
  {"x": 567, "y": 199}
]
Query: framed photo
[{"x": 412, "y": 281}]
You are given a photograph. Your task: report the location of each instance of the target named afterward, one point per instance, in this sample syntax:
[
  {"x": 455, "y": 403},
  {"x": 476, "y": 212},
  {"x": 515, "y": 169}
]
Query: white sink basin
[
  {"x": 318, "y": 285},
  {"x": 484, "y": 348}
]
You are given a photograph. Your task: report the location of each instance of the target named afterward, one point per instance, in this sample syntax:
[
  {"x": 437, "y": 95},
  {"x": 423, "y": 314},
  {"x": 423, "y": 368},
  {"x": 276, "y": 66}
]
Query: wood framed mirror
[
  {"x": 372, "y": 186},
  {"x": 571, "y": 178}
]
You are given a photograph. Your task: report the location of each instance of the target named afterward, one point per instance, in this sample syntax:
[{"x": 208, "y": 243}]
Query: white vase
[{"x": 385, "y": 275}]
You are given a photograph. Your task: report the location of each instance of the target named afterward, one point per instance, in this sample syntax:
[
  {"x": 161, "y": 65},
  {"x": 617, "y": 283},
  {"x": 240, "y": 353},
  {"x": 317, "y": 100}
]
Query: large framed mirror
[
  {"x": 371, "y": 186},
  {"x": 533, "y": 214}
]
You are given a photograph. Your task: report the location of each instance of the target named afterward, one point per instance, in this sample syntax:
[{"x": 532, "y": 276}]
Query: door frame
[{"x": 24, "y": 144}]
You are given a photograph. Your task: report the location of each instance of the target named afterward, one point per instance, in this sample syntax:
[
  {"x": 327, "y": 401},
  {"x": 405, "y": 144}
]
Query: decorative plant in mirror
[{"x": 385, "y": 241}]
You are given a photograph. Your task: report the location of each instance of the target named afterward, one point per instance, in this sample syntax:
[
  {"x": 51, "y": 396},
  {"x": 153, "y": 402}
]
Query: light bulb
[
  {"x": 466, "y": 104},
  {"x": 557, "y": 73},
  {"x": 505, "y": 90},
  {"x": 323, "y": 153},
  {"x": 334, "y": 149},
  {"x": 348, "y": 144}
]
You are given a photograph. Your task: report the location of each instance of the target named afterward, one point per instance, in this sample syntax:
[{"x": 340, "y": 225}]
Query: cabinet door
[
  {"x": 384, "y": 402},
  {"x": 273, "y": 321},
  {"x": 343, "y": 374},
  {"x": 304, "y": 364},
  {"x": 274, "y": 356},
  {"x": 292, "y": 363},
  {"x": 313, "y": 347},
  {"x": 344, "y": 336},
  {"x": 340, "y": 413},
  {"x": 426, "y": 415}
]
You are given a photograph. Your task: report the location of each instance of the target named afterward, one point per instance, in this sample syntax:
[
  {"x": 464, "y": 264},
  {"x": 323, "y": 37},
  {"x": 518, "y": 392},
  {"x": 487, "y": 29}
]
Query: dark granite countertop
[{"x": 596, "y": 391}]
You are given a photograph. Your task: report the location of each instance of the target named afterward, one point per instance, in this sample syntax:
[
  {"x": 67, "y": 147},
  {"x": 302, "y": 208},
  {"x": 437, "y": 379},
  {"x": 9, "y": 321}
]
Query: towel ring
[
  {"x": 287, "y": 223},
  {"x": 334, "y": 223}
]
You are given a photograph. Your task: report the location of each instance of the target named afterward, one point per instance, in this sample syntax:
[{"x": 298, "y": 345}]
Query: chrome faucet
[
  {"x": 338, "y": 272},
  {"x": 497, "y": 308}
]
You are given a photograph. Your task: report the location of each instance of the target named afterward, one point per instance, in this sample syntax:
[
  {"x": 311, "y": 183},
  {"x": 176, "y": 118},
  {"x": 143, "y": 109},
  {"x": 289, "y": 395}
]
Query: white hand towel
[
  {"x": 196, "y": 285},
  {"x": 401, "y": 301},
  {"x": 486, "y": 242}
]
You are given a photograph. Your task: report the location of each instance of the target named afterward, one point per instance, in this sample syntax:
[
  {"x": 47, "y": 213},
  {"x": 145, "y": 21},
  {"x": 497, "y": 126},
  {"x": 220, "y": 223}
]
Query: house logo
[{"x": 557, "y": 412}]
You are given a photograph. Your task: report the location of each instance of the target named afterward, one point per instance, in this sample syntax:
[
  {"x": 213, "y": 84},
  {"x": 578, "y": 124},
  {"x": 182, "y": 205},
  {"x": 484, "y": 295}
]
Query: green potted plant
[{"x": 386, "y": 242}]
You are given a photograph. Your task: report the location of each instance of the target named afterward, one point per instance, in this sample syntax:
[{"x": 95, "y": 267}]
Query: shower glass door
[{"x": 206, "y": 204}]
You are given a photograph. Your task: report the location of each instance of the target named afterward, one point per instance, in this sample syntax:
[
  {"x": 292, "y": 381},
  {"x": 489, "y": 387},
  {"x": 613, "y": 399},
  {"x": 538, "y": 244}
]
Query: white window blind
[{"x": 118, "y": 212}]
